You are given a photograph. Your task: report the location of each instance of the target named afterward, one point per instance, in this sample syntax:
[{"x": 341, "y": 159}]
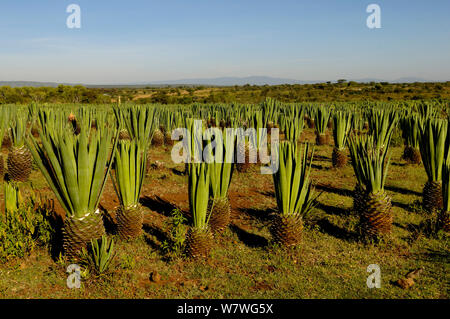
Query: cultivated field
[{"x": 329, "y": 261}]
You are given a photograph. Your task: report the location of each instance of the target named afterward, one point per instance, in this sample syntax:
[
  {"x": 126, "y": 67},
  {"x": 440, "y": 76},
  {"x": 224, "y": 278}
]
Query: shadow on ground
[
  {"x": 333, "y": 230},
  {"x": 434, "y": 255},
  {"x": 267, "y": 193},
  {"x": 178, "y": 172},
  {"x": 332, "y": 210},
  {"x": 334, "y": 190},
  {"x": 402, "y": 190},
  {"x": 108, "y": 220},
  {"x": 406, "y": 207},
  {"x": 154, "y": 236},
  {"x": 322, "y": 158},
  {"x": 249, "y": 239},
  {"x": 159, "y": 205},
  {"x": 319, "y": 167},
  {"x": 262, "y": 215}
]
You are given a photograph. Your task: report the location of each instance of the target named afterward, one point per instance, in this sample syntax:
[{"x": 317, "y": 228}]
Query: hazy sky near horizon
[{"x": 147, "y": 40}]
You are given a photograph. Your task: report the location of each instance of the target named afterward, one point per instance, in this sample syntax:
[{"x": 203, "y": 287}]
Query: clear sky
[{"x": 149, "y": 40}]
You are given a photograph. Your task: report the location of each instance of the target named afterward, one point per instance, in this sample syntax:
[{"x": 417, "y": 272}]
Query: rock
[
  {"x": 408, "y": 281},
  {"x": 405, "y": 283}
]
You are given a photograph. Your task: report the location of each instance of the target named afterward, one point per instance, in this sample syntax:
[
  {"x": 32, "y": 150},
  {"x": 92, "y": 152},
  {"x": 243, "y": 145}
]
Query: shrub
[
  {"x": 173, "y": 247},
  {"x": 25, "y": 228}
]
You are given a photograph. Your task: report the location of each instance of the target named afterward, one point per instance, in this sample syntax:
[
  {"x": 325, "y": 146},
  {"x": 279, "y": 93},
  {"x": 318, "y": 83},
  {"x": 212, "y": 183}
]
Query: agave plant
[
  {"x": 2, "y": 162},
  {"x": 372, "y": 204},
  {"x": 19, "y": 159},
  {"x": 169, "y": 122},
  {"x": 122, "y": 127},
  {"x": 50, "y": 121},
  {"x": 99, "y": 257},
  {"x": 32, "y": 118},
  {"x": 427, "y": 110},
  {"x": 221, "y": 171},
  {"x": 444, "y": 218},
  {"x": 293, "y": 192},
  {"x": 270, "y": 109},
  {"x": 123, "y": 134},
  {"x": 199, "y": 237},
  {"x": 433, "y": 144},
  {"x": 158, "y": 131},
  {"x": 75, "y": 127},
  {"x": 242, "y": 152},
  {"x": 256, "y": 141},
  {"x": 341, "y": 128},
  {"x": 130, "y": 166},
  {"x": 213, "y": 120},
  {"x": 4, "y": 120},
  {"x": 410, "y": 131},
  {"x": 13, "y": 197},
  {"x": 139, "y": 122},
  {"x": 195, "y": 145},
  {"x": 322, "y": 116},
  {"x": 310, "y": 117},
  {"x": 357, "y": 123},
  {"x": 76, "y": 168},
  {"x": 293, "y": 126},
  {"x": 381, "y": 126},
  {"x": 100, "y": 118}
]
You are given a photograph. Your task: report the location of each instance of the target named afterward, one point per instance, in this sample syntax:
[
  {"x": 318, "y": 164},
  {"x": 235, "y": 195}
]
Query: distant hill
[
  {"x": 221, "y": 81},
  {"x": 32, "y": 84},
  {"x": 410, "y": 80},
  {"x": 263, "y": 80},
  {"x": 230, "y": 81}
]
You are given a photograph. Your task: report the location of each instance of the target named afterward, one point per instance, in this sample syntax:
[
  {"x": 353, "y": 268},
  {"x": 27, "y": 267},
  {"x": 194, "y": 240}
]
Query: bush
[
  {"x": 173, "y": 247},
  {"x": 24, "y": 229}
]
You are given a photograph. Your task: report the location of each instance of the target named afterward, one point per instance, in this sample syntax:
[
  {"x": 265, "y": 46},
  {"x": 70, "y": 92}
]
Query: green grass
[{"x": 330, "y": 262}]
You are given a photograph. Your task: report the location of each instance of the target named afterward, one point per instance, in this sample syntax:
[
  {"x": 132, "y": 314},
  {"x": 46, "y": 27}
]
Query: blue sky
[{"x": 147, "y": 40}]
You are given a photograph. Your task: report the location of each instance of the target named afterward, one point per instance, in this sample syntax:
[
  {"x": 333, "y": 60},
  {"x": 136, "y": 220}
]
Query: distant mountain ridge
[
  {"x": 32, "y": 84},
  {"x": 220, "y": 81},
  {"x": 230, "y": 81}
]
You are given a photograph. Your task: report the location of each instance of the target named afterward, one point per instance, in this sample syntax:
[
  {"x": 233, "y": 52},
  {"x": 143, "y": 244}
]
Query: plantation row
[{"x": 78, "y": 148}]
